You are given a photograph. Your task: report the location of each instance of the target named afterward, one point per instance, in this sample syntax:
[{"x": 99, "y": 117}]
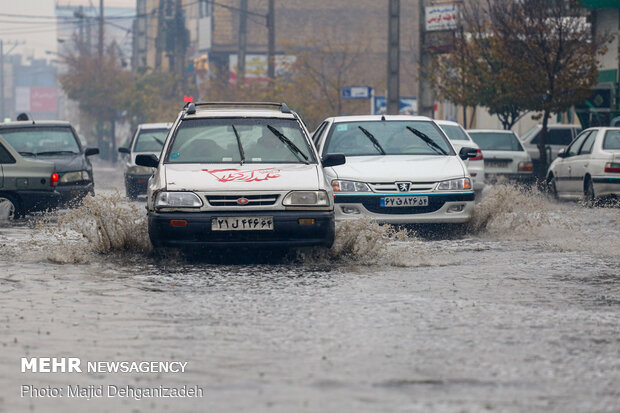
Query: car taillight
[
  {"x": 612, "y": 167},
  {"x": 525, "y": 167},
  {"x": 478, "y": 156},
  {"x": 54, "y": 179}
]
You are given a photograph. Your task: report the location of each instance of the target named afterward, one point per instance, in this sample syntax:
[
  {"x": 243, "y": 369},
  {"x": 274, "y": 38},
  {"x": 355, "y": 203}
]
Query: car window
[
  {"x": 612, "y": 140},
  {"x": 573, "y": 149},
  {"x": 454, "y": 132},
  {"x": 263, "y": 140},
  {"x": 317, "y": 134},
  {"x": 150, "y": 140},
  {"x": 531, "y": 132},
  {"x": 496, "y": 141},
  {"x": 41, "y": 141},
  {"x": 401, "y": 137},
  {"x": 5, "y": 156},
  {"x": 586, "y": 148},
  {"x": 559, "y": 137}
]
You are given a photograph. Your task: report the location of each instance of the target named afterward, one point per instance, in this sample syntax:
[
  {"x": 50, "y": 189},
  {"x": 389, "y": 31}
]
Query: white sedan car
[
  {"x": 399, "y": 170},
  {"x": 504, "y": 156},
  {"x": 459, "y": 139},
  {"x": 589, "y": 167}
]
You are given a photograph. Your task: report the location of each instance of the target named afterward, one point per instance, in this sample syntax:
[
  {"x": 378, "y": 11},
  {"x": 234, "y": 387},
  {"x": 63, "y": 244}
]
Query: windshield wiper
[
  {"x": 56, "y": 153},
  {"x": 239, "y": 144},
  {"x": 159, "y": 141},
  {"x": 293, "y": 148},
  {"x": 373, "y": 140},
  {"x": 427, "y": 140},
  {"x": 25, "y": 153}
]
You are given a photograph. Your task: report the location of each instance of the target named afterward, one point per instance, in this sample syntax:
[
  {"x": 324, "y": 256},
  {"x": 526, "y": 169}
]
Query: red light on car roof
[
  {"x": 54, "y": 179},
  {"x": 188, "y": 99}
]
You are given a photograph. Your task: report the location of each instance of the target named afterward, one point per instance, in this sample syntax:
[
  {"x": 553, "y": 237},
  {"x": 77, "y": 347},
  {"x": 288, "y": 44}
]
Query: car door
[
  {"x": 581, "y": 162},
  {"x": 565, "y": 181},
  {"x": 6, "y": 160},
  {"x": 558, "y": 138}
]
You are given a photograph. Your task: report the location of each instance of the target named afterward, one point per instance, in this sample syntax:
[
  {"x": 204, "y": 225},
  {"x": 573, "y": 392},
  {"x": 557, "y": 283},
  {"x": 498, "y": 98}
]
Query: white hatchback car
[
  {"x": 504, "y": 156},
  {"x": 460, "y": 139},
  {"x": 148, "y": 139},
  {"x": 589, "y": 167},
  {"x": 399, "y": 170},
  {"x": 239, "y": 174}
]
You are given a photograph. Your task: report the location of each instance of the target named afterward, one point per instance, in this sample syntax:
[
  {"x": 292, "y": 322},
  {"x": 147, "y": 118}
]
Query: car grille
[
  {"x": 391, "y": 186},
  {"x": 253, "y": 200}
]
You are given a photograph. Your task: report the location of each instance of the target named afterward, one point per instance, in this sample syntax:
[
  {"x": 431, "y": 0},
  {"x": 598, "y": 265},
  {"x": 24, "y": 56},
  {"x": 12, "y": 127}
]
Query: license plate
[
  {"x": 404, "y": 201},
  {"x": 496, "y": 164},
  {"x": 242, "y": 224}
]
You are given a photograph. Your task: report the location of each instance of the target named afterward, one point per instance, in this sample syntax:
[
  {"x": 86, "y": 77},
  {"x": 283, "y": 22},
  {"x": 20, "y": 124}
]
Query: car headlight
[
  {"x": 74, "y": 177},
  {"x": 349, "y": 186},
  {"x": 306, "y": 198},
  {"x": 454, "y": 184},
  {"x": 139, "y": 170},
  {"x": 177, "y": 199}
]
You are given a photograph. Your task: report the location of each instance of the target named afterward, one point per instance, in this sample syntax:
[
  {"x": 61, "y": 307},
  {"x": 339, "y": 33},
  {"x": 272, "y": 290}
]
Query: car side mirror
[
  {"x": 123, "y": 150},
  {"x": 91, "y": 151},
  {"x": 147, "y": 160},
  {"x": 333, "y": 159},
  {"x": 562, "y": 153},
  {"x": 467, "y": 153}
]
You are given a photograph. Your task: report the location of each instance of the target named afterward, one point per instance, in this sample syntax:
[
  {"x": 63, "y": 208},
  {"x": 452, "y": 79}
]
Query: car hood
[
  {"x": 235, "y": 177},
  {"x": 392, "y": 168},
  {"x": 66, "y": 163}
]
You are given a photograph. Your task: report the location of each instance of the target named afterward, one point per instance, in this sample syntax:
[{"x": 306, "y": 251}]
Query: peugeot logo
[
  {"x": 242, "y": 201},
  {"x": 403, "y": 186}
]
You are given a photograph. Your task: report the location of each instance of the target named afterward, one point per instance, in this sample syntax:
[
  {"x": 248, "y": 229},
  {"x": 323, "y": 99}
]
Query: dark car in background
[
  {"x": 148, "y": 139},
  {"x": 55, "y": 142}
]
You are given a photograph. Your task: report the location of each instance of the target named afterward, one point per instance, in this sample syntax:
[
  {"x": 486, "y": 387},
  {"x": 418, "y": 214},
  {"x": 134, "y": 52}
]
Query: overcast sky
[{"x": 39, "y": 35}]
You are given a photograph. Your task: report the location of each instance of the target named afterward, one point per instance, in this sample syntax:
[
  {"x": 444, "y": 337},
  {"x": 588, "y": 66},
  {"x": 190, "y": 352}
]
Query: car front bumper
[
  {"x": 449, "y": 208},
  {"x": 136, "y": 184},
  {"x": 32, "y": 201},
  {"x": 287, "y": 232}
]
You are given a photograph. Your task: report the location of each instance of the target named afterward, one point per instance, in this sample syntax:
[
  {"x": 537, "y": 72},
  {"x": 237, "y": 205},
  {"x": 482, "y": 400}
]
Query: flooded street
[{"x": 520, "y": 313}]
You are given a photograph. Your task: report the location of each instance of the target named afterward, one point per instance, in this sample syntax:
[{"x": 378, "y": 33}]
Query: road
[{"x": 519, "y": 314}]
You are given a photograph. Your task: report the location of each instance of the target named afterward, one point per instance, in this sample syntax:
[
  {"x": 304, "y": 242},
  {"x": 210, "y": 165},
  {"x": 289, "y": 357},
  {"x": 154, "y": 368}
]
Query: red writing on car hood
[{"x": 238, "y": 175}]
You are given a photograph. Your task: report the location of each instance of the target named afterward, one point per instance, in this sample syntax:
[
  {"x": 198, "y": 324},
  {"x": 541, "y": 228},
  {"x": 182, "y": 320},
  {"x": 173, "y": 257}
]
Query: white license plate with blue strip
[{"x": 404, "y": 201}]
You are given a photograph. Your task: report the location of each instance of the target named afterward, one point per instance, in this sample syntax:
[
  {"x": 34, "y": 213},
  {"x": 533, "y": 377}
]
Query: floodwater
[{"x": 520, "y": 313}]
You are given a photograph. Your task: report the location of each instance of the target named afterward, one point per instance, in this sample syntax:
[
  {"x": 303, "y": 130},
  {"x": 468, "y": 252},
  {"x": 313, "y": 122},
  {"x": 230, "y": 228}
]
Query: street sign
[
  {"x": 441, "y": 17},
  {"x": 356, "y": 92},
  {"x": 408, "y": 106}
]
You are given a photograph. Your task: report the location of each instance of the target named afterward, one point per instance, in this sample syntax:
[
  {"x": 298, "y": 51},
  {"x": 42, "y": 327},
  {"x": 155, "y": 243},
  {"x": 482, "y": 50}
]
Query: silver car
[{"x": 148, "y": 139}]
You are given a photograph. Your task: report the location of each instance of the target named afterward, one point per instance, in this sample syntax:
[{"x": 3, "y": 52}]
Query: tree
[
  {"x": 99, "y": 87},
  {"x": 551, "y": 54}
]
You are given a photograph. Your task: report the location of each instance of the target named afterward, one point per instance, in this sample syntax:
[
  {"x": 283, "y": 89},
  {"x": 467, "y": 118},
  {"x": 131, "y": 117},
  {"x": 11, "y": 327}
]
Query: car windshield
[
  {"x": 41, "y": 141},
  {"x": 454, "y": 132},
  {"x": 530, "y": 133},
  {"x": 256, "y": 140},
  {"x": 612, "y": 140},
  {"x": 387, "y": 138},
  {"x": 150, "y": 140},
  {"x": 496, "y": 141}
]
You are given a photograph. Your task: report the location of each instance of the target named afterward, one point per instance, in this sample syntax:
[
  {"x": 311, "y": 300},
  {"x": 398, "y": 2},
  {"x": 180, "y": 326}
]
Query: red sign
[{"x": 43, "y": 99}]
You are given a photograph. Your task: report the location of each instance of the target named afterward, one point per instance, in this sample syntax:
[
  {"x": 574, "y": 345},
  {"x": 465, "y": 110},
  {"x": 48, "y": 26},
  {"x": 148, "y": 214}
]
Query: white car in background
[
  {"x": 460, "y": 139},
  {"x": 504, "y": 156},
  {"x": 589, "y": 167},
  {"x": 148, "y": 139},
  {"x": 399, "y": 170}
]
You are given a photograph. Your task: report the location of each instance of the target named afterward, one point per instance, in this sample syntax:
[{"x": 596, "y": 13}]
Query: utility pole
[
  {"x": 1, "y": 81},
  {"x": 243, "y": 20},
  {"x": 393, "y": 66},
  {"x": 271, "y": 48},
  {"x": 100, "y": 50},
  {"x": 426, "y": 97},
  {"x": 159, "y": 40}
]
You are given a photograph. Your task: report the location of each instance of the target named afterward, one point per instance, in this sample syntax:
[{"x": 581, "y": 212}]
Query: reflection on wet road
[{"x": 519, "y": 313}]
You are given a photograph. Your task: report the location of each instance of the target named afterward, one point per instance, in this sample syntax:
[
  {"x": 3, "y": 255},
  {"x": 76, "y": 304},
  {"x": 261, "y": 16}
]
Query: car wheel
[
  {"x": 588, "y": 192},
  {"x": 9, "y": 207},
  {"x": 553, "y": 189}
]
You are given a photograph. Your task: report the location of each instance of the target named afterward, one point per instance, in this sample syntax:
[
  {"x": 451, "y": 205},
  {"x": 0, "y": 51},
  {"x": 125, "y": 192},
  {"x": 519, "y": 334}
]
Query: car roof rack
[{"x": 190, "y": 108}]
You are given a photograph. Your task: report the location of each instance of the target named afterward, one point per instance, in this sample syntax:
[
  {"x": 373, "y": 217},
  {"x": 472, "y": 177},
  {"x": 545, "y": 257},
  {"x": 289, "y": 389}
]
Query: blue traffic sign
[{"x": 356, "y": 92}]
